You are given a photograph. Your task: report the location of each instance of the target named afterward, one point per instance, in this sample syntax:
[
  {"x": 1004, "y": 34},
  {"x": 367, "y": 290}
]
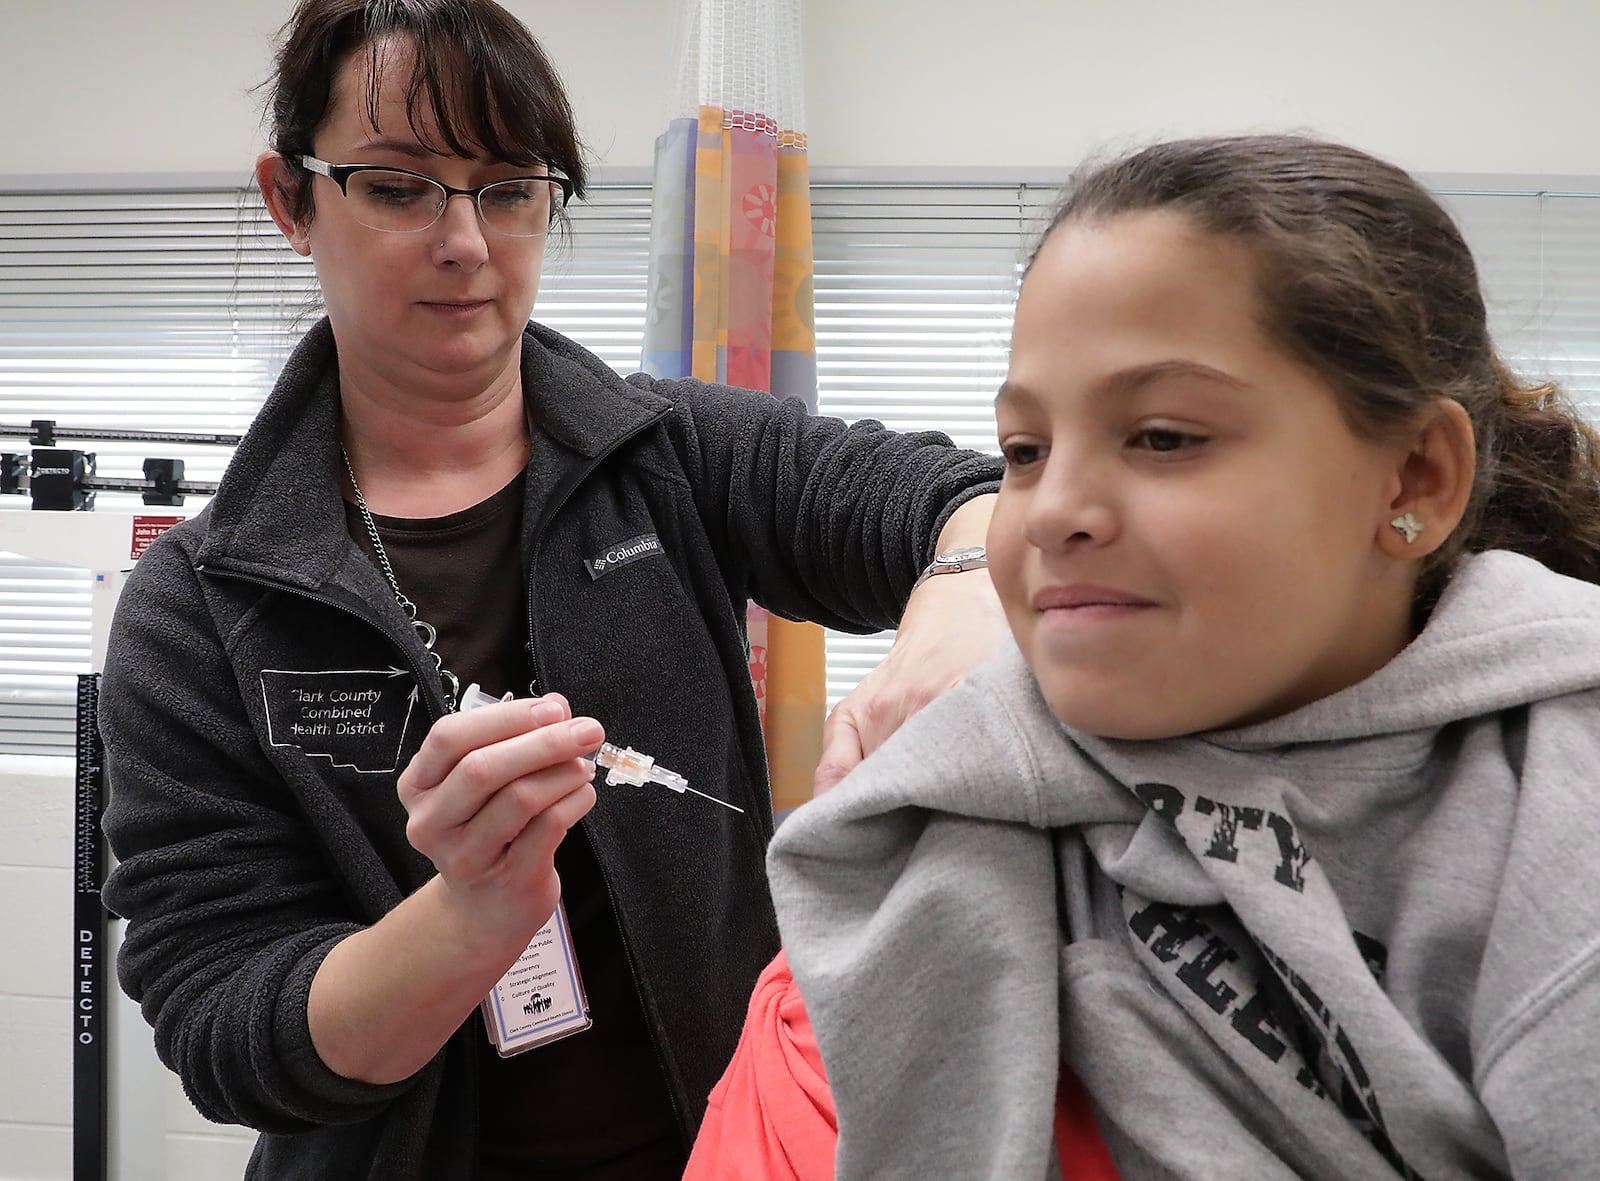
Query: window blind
[
  {"x": 1538, "y": 259},
  {"x": 175, "y": 309},
  {"x": 138, "y": 310}
]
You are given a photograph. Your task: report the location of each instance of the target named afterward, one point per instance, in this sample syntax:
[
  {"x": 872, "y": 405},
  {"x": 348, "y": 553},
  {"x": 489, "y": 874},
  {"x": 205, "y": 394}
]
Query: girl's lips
[
  {"x": 1086, "y": 596},
  {"x": 1092, "y": 613}
]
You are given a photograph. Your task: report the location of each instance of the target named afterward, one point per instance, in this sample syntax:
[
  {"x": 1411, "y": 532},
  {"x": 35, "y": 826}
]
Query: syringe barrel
[{"x": 623, "y": 764}]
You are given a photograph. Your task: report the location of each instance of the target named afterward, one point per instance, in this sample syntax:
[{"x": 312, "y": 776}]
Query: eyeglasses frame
[{"x": 340, "y": 175}]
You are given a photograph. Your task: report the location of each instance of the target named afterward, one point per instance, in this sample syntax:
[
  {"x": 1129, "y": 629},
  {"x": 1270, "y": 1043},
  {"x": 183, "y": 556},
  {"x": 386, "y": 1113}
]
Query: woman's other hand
[{"x": 952, "y": 622}]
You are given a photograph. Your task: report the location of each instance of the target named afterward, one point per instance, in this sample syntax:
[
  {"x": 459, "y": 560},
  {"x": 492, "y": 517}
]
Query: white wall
[
  {"x": 35, "y": 922},
  {"x": 95, "y": 87},
  {"x": 169, "y": 85},
  {"x": 1441, "y": 86}
]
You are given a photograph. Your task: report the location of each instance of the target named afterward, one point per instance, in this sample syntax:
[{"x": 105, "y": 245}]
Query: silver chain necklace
[{"x": 425, "y": 631}]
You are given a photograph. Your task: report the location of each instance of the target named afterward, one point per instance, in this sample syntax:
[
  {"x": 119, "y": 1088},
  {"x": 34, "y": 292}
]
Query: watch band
[{"x": 953, "y": 561}]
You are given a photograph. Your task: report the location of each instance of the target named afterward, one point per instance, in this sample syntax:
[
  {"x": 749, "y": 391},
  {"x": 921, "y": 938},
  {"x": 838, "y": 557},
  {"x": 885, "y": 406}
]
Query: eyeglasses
[{"x": 398, "y": 201}]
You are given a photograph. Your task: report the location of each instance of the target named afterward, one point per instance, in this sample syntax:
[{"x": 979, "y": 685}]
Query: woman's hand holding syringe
[{"x": 623, "y": 764}]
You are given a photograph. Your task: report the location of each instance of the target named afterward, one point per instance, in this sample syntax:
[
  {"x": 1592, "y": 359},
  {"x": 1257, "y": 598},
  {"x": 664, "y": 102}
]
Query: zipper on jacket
[
  {"x": 534, "y": 677},
  {"x": 424, "y": 691},
  {"x": 533, "y": 658},
  {"x": 638, "y": 990}
]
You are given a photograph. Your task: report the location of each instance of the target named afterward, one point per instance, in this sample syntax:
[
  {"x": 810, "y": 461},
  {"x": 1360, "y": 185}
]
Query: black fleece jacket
[{"x": 262, "y": 689}]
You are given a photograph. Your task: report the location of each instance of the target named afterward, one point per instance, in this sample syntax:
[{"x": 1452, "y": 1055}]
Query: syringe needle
[{"x": 714, "y": 799}]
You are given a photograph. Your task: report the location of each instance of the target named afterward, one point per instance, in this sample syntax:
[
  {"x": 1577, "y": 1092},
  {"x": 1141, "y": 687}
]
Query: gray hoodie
[{"x": 1360, "y": 940}]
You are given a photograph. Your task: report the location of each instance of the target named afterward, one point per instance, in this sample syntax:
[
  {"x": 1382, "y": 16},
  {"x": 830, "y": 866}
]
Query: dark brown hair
[
  {"x": 1364, "y": 277},
  {"x": 490, "y": 87}
]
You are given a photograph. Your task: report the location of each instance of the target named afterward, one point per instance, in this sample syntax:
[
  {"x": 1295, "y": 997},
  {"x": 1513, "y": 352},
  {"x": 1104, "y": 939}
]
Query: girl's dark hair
[
  {"x": 1365, "y": 278},
  {"x": 489, "y": 85}
]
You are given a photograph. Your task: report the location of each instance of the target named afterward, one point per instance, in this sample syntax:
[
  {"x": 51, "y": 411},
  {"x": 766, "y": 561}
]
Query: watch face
[{"x": 966, "y": 553}]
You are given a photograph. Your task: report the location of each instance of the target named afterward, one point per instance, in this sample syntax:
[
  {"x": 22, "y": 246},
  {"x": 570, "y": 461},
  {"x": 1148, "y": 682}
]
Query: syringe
[{"x": 623, "y": 764}]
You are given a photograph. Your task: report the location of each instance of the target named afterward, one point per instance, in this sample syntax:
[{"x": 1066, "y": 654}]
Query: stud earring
[{"x": 1407, "y": 526}]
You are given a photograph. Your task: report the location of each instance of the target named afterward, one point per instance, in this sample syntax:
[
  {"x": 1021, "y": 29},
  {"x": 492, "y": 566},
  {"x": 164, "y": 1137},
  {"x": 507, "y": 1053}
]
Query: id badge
[{"x": 540, "y": 999}]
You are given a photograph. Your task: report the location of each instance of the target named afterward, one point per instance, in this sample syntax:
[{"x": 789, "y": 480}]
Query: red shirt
[{"x": 771, "y": 1116}]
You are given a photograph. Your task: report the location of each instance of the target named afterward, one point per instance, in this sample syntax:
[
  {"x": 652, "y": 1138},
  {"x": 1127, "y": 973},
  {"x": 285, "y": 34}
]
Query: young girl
[{"x": 1278, "y": 831}]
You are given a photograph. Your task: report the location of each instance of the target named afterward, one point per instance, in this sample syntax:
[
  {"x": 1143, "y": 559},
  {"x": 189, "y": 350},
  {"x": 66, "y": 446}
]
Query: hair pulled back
[
  {"x": 1365, "y": 278},
  {"x": 489, "y": 85}
]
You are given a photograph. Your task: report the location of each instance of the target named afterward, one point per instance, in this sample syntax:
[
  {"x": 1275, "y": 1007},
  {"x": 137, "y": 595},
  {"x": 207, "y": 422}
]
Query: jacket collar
[
  {"x": 278, "y": 513},
  {"x": 578, "y": 399}
]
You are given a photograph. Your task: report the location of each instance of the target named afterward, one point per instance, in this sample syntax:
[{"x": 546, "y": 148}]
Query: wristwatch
[{"x": 953, "y": 561}]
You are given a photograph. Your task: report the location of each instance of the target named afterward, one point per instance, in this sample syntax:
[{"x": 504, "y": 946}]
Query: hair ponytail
[{"x": 1540, "y": 480}]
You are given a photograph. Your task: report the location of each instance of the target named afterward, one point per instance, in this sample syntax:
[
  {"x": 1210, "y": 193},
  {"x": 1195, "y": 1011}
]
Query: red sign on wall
[{"x": 147, "y": 529}]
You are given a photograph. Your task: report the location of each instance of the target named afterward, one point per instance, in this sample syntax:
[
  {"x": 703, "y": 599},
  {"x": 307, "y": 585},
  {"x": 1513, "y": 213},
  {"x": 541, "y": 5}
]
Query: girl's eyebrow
[
  {"x": 1011, "y": 392},
  {"x": 1139, "y": 377},
  {"x": 1128, "y": 381}
]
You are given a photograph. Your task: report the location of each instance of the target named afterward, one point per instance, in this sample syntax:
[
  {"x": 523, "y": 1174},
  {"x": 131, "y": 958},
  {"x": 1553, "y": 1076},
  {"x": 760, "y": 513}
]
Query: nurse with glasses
[{"x": 407, "y": 942}]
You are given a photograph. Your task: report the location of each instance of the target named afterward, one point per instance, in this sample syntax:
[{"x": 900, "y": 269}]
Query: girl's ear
[
  {"x": 1435, "y": 483},
  {"x": 276, "y": 182}
]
